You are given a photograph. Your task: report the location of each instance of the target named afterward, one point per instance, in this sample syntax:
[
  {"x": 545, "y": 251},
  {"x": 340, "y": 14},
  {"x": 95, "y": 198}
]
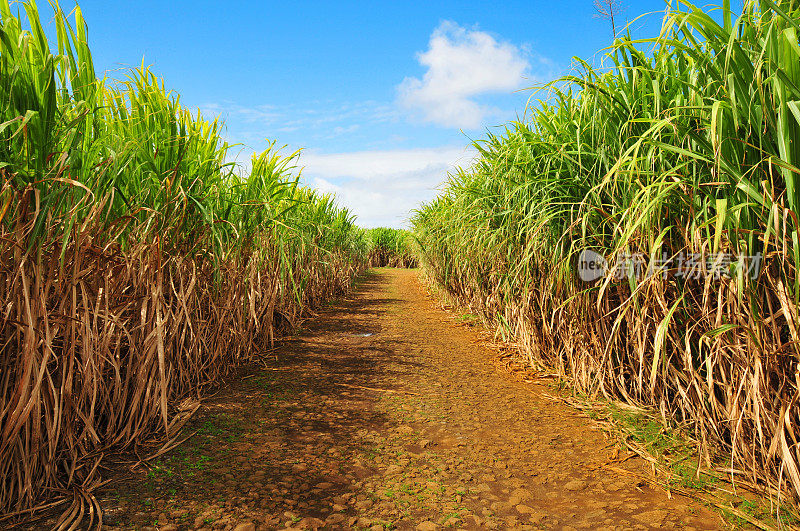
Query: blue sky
[{"x": 383, "y": 97}]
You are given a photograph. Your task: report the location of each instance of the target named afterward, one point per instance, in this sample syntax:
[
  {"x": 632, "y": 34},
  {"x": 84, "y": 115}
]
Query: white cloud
[
  {"x": 382, "y": 187},
  {"x": 259, "y": 114},
  {"x": 328, "y": 120},
  {"x": 462, "y": 64},
  {"x": 341, "y": 130}
]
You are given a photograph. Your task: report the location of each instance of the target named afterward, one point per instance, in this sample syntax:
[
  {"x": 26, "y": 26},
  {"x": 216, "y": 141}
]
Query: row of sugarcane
[
  {"x": 675, "y": 163},
  {"x": 137, "y": 265},
  {"x": 391, "y": 248}
]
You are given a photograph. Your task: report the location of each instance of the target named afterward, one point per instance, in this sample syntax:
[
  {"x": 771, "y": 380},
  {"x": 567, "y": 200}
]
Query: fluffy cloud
[
  {"x": 462, "y": 64},
  {"x": 382, "y": 187}
]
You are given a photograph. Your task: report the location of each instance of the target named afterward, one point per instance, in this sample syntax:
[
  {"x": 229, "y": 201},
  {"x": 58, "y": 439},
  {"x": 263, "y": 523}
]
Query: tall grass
[
  {"x": 684, "y": 143},
  {"x": 391, "y": 248},
  {"x": 136, "y": 265}
]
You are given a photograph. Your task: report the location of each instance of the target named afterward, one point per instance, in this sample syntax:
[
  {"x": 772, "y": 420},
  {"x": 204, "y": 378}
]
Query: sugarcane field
[{"x": 399, "y": 265}]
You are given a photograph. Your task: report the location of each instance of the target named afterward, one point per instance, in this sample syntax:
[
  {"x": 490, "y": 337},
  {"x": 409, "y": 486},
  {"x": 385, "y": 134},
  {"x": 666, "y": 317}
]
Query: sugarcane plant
[
  {"x": 391, "y": 248},
  {"x": 675, "y": 162},
  {"x": 138, "y": 265}
]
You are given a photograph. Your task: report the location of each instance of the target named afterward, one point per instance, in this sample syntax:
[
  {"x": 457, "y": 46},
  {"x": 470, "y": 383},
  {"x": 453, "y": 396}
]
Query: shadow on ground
[
  {"x": 386, "y": 412},
  {"x": 279, "y": 442}
]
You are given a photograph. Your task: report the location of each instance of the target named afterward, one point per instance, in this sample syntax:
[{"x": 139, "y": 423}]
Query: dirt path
[{"x": 385, "y": 412}]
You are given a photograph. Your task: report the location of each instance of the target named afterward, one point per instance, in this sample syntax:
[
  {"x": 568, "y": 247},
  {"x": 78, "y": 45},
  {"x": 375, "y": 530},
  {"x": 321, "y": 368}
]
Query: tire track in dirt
[{"x": 385, "y": 413}]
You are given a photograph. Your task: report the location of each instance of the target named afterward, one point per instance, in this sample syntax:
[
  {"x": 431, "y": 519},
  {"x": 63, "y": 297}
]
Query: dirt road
[{"x": 386, "y": 412}]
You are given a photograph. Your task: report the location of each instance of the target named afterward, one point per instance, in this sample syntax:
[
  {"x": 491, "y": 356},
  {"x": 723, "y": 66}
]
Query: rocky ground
[{"x": 388, "y": 412}]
